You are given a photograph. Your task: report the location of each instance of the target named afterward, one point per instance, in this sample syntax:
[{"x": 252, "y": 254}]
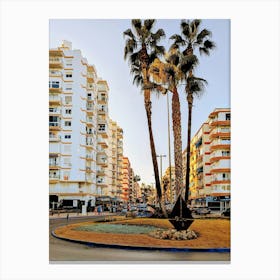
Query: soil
[{"x": 212, "y": 234}]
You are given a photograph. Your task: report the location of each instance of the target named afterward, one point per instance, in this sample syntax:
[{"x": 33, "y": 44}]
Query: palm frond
[
  {"x": 202, "y": 35},
  {"x": 209, "y": 44},
  {"x": 137, "y": 80},
  {"x": 185, "y": 28},
  {"x": 156, "y": 37},
  {"x": 203, "y": 50},
  {"x": 137, "y": 26},
  {"x": 134, "y": 58},
  {"x": 196, "y": 86},
  {"x": 148, "y": 24},
  {"x": 173, "y": 58},
  {"x": 130, "y": 46},
  {"x": 129, "y": 33},
  {"x": 188, "y": 62},
  {"x": 178, "y": 40}
]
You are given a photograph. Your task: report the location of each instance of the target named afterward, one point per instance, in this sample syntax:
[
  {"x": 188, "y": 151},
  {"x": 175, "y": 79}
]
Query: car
[
  {"x": 226, "y": 212},
  {"x": 202, "y": 210}
]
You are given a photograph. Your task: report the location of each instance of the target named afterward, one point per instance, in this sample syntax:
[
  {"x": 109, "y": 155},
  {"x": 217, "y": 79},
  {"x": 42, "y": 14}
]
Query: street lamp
[{"x": 161, "y": 156}]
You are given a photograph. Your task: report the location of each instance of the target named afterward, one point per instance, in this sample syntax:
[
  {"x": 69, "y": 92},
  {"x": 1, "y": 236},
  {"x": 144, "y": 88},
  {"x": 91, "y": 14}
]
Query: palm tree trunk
[
  {"x": 177, "y": 132},
  {"x": 190, "y": 104},
  {"x": 148, "y": 107}
]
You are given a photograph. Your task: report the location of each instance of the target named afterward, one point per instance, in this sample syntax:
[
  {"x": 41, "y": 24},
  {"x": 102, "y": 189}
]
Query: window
[
  {"x": 225, "y": 176},
  {"x": 68, "y": 75},
  {"x": 68, "y": 99},
  {"x": 101, "y": 127},
  {"x": 53, "y": 119},
  {"x": 67, "y": 136},
  {"x": 68, "y": 111},
  {"x": 228, "y": 117},
  {"x": 53, "y": 84},
  {"x": 67, "y": 123},
  {"x": 225, "y": 153}
]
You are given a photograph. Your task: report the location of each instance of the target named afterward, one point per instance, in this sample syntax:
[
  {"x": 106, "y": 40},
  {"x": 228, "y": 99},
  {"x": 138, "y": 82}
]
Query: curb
[{"x": 127, "y": 247}]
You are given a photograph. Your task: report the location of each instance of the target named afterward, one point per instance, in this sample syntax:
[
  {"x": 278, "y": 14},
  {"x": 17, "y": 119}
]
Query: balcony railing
[
  {"x": 54, "y": 124},
  {"x": 55, "y": 98},
  {"x": 54, "y": 175}
]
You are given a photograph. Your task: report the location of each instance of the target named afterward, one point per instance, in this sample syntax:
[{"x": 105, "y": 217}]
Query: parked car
[
  {"x": 202, "y": 210},
  {"x": 145, "y": 214},
  {"x": 226, "y": 212}
]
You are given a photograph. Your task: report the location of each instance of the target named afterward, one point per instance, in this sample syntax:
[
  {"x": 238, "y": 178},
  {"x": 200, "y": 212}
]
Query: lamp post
[{"x": 161, "y": 156}]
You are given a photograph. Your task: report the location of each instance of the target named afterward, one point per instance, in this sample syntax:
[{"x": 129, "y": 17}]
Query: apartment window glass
[
  {"x": 53, "y": 119},
  {"x": 53, "y": 84},
  {"x": 67, "y": 136},
  {"x": 225, "y": 153},
  {"x": 67, "y": 123},
  {"x": 101, "y": 127},
  {"x": 68, "y": 99},
  {"x": 228, "y": 117},
  {"x": 68, "y": 75},
  {"x": 68, "y": 111}
]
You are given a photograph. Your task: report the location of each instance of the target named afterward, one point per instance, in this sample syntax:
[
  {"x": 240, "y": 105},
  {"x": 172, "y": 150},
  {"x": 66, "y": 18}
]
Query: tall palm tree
[
  {"x": 141, "y": 49},
  {"x": 192, "y": 38},
  {"x": 168, "y": 76}
]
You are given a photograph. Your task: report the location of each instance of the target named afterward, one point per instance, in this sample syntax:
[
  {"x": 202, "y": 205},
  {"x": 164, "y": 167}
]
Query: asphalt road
[{"x": 63, "y": 251}]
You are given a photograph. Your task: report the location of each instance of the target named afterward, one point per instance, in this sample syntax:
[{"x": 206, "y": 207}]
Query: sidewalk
[{"x": 76, "y": 215}]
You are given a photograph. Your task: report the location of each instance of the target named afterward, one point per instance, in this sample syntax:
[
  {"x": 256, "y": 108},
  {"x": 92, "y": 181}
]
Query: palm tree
[
  {"x": 141, "y": 49},
  {"x": 167, "y": 76},
  {"x": 192, "y": 38}
]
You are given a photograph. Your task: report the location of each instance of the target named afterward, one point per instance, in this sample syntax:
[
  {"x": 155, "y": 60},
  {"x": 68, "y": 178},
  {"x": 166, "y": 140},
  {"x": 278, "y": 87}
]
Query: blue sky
[{"x": 102, "y": 43}]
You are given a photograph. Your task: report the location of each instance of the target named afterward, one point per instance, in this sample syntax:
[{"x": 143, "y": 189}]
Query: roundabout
[{"x": 136, "y": 234}]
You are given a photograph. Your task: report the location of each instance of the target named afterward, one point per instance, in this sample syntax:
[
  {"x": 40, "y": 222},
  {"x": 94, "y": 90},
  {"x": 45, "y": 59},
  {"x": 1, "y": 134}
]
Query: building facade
[
  {"x": 210, "y": 162},
  {"x": 83, "y": 158}
]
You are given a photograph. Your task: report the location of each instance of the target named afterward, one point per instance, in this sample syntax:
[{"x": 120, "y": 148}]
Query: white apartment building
[{"x": 79, "y": 153}]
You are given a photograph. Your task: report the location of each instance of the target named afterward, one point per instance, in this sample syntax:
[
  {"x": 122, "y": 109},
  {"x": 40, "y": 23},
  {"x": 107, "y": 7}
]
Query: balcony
[
  {"x": 89, "y": 143},
  {"x": 54, "y": 126},
  {"x": 54, "y": 164},
  {"x": 90, "y": 110},
  {"x": 55, "y": 62},
  {"x": 103, "y": 131},
  {"x": 103, "y": 142},
  {"x": 101, "y": 151},
  {"x": 54, "y": 177},
  {"x": 54, "y": 137},
  {"x": 102, "y": 100},
  {"x": 102, "y": 161},
  {"x": 101, "y": 181},
  {"x": 89, "y": 157},
  {"x": 54, "y": 73},
  {"x": 100, "y": 172},
  {"x": 102, "y": 111},
  {"x": 54, "y": 111},
  {"x": 88, "y": 170},
  {"x": 54, "y": 99},
  {"x": 217, "y": 122}
]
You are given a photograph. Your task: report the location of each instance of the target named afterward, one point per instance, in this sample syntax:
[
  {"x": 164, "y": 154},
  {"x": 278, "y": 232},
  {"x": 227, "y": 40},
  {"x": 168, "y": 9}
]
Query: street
[{"x": 60, "y": 251}]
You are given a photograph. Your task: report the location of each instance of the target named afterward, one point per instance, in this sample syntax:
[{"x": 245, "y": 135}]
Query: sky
[{"x": 102, "y": 43}]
